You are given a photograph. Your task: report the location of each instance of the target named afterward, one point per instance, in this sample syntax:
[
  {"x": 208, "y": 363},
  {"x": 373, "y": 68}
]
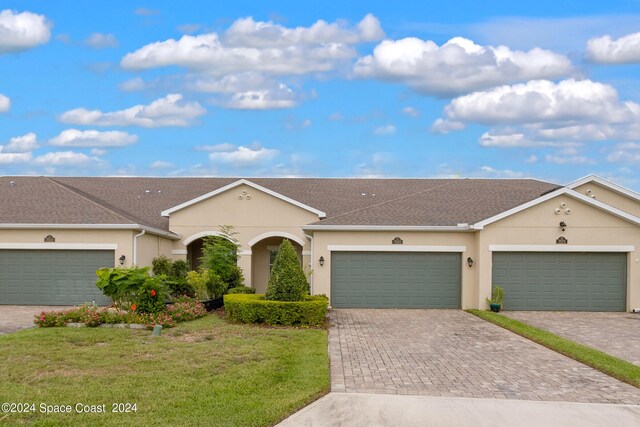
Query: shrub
[
  {"x": 151, "y": 296},
  {"x": 179, "y": 268},
  {"x": 241, "y": 290},
  {"x": 497, "y": 295},
  {"x": 198, "y": 280},
  {"x": 121, "y": 283},
  {"x": 246, "y": 308},
  {"x": 161, "y": 266},
  {"x": 287, "y": 281},
  {"x": 220, "y": 255}
]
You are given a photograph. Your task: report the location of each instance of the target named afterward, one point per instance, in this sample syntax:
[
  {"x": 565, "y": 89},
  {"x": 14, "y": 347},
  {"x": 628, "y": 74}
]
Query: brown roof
[{"x": 105, "y": 200}]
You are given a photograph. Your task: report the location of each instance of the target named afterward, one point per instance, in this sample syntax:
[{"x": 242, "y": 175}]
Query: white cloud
[
  {"x": 5, "y": 103},
  {"x": 385, "y": 130},
  {"x": 501, "y": 173},
  {"x": 532, "y": 159},
  {"x": 189, "y": 28},
  {"x": 282, "y": 97},
  {"x": 159, "y": 164},
  {"x": 223, "y": 147},
  {"x": 21, "y": 144},
  {"x": 255, "y": 46},
  {"x": 625, "y": 153},
  {"x": 458, "y": 66},
  {"x": 101, "y": 41},
  {"x": 244, "y": 156},
  {"x": 411, "y": 112},
  {"x": 10, "y": 158},
  {"x": 22, "y": 31},
  {"x": 605, "y": 50},
  {"x": 98, "y": 151},
  {"x": 446, "y": 126},
  {"x": 167, "y": 111},
  {"x": 64, "y": 158},
  {"x": 568, "y": 156},
  {"x": 93, "y": 138},
  {"x": 132, "y": 85}
]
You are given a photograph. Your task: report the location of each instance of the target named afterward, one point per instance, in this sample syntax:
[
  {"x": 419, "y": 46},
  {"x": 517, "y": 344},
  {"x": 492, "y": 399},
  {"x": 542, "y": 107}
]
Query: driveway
[
  {"x": 452, "y": 353},
  {"x": 614, "y": 333},
  {"x": 16, "y": 317}
]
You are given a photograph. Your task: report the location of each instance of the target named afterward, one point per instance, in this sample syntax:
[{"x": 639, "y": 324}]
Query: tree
[
  {"x": 287, "y": 281},
  {"x": 220, "y": 255}
]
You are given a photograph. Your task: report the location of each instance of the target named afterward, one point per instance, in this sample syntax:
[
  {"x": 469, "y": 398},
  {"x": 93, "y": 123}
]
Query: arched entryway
[
  {"x": 263, "y": 252},
  {"x": 194, "y": 245}
]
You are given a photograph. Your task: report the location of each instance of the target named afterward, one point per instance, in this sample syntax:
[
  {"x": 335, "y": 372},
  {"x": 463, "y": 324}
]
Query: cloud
[
  {"x": 21, "y": 144},
  {"x": 244, "y": 156},
  {"x": 189, "y": 28},
  {"x": 625, "y": 153},
  {"x": 5, "y": 103},
  {"x": 93, "y": 139},
  {"x": 101, "y": 41},
  {"x": 411, "y": 112},
  {"x": 569, "y": 156},
  {"x": 501, "y": 173},
  {"x": 64, "y": 158},
  {"x": 385, "y": 130},
  {"x": 224, "y": 147},
  {"x": 22, "y": 31},
  {"x": 458, "y": 66},
  {"x": 132, "y": 85},
  {"x": 256, "y": 46},
  {"x": 605, "y": 50},
  {"x": 159, "y": 164},
  {"x": 10, "y": 158},
  {"x": 282, "y": 97},
  {"x": 167, "y": 111}
]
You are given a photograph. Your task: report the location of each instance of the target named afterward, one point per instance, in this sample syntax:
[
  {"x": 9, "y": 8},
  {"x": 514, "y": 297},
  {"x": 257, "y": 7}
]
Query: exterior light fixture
[
  {"x": 563, "y": 225},
  {"x": 321, "y": 261},
  {"x": 470, "y": 261},
  {"x": 121, "y": 259}
]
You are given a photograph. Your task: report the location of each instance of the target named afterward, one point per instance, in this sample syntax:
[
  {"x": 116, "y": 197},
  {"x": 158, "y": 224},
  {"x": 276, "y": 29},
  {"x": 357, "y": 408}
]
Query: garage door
[
  {"x": 562, "y": 281},
  {"x": 395, "y": 280},
  {"x": 52, "y": 277}
]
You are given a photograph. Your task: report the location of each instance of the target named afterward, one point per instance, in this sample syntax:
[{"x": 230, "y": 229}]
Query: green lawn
[
  {"x": 205, "y": 372},
  {"x": 603, "y": 362}
]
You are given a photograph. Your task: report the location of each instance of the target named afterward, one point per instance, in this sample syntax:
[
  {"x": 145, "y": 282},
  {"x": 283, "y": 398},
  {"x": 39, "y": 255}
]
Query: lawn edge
[{"x": 604, "y": 362}]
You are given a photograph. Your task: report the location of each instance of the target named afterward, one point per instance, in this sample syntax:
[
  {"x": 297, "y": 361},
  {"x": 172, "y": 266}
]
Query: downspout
[
  {"x": 135, "y": 247},
  {"x": 312, "y": 264}
]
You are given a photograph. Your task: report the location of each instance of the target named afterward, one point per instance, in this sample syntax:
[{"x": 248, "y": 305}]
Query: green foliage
[
  {"x": 497, "y": 295},
  {"x": 245, "y": 308},
  {"x": 198, "y": 281},
  {"x": 241, "y": 290},
  {"x": 151, "y": 296},
  {"x": 174, "y": 275},
  {"x": 180, "y": 268},
  {"x": 287, "y": 281},
  {"x": 178, "y": 287},
  {"x": 121, "y": 283},
  {"x": 220, "y": 255},
  {"x": 161, "y": 266}
]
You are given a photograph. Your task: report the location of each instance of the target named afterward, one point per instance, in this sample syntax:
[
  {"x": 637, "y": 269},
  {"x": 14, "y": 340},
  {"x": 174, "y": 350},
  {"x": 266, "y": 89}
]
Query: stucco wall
[
  {"x": 539, "y": 225},
  {"x": 610, "y": 197},
  {"x": 151, "y": 246}
]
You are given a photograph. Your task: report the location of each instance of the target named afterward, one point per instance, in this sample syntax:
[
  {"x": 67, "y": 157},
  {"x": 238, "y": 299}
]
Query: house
[{"x": 437, "y": 243}]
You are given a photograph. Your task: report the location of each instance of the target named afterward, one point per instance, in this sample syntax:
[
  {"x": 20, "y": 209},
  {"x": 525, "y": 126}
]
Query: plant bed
[{"x": 255, "y": 308}]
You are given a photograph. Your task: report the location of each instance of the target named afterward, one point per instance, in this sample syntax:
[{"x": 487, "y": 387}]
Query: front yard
[{"x": 205, "y": 372}]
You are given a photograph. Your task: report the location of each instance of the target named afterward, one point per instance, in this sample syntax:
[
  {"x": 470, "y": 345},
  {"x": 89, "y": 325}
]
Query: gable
[{"x": 608, "y": 195}]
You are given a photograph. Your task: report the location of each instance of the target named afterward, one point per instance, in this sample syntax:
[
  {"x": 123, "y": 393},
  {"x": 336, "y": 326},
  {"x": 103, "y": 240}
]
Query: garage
[
  {"x": 52, "y": 277},
  {"x": 395, "y": 280},
  {"x": 574, "y": 281}
]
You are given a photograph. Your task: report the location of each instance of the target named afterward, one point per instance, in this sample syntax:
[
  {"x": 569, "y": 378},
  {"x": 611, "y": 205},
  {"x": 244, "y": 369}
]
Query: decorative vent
[
  {"x": 562, "y": 240},
  {"x": 397, "y": 241},
  {"x": 49, "y": 239}
]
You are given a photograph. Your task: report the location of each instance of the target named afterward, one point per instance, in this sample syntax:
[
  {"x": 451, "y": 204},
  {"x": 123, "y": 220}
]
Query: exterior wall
[
  {"x": 122, "y": 238},
  {"x": 321, "y": 276},
  {"x": 151, "y": 246},
  {"x": 251, "y": 217},
  {"x": 610, "y": 197},
  {"x": 539, "y": 225}
]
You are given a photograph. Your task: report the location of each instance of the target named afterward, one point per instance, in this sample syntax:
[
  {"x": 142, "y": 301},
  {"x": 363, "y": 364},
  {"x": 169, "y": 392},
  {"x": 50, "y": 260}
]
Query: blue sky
[{"x": 368, "y": 89}]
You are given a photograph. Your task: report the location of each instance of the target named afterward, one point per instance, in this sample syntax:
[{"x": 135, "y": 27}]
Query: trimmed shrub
[
  {"x": 287, "y": 281},
  {"x": 245, "y": 308},
  {"x": 242, "y": 290}
]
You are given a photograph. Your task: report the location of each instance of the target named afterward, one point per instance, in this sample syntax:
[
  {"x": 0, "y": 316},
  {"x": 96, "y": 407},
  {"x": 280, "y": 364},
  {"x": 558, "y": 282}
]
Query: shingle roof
[{"x": 351, "y": 201}]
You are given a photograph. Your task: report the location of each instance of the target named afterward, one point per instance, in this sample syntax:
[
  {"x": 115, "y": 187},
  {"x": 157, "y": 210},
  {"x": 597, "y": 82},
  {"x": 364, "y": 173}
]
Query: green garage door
[
  {"x": 561, "y": 280},
  {"x": 395, "y": 280},
  {"x": 52, "y": 277}
]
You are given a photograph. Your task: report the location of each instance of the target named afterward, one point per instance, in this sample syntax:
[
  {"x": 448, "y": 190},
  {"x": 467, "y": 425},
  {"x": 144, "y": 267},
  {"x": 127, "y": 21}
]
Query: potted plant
[{"x": 495, "y": 303}]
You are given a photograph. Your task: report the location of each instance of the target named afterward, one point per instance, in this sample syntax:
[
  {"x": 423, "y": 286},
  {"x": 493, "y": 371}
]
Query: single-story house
[{"x": 399, "y": 243}]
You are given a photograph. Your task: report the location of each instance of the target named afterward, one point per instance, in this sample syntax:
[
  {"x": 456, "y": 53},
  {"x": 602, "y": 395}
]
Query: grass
[
  {"x": 205, "y": 372},
  {"x": 603, "y": 362}
]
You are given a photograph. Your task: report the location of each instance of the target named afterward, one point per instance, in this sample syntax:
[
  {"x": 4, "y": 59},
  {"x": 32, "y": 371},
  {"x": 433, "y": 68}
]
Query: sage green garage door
[
  {"x": 52, "y": 277},
  {"x": 562, "y": 281},
  {"x": 395, "y": 280}
]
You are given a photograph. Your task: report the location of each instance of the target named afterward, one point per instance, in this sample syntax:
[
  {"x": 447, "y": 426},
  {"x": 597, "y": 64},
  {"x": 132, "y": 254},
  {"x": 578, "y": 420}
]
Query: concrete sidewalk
[{"x": 368, "y": 410}]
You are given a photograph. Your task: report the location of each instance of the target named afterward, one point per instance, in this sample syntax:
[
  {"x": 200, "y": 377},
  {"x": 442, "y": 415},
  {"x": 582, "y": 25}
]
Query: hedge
[{"x": 247, "y": 308}]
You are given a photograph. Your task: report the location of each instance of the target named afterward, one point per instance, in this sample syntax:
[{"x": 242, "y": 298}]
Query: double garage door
[
  {"x": 395, "y": 280},
  {"x": 52, "y": 277},
  {"x": 562, "y": 280}
]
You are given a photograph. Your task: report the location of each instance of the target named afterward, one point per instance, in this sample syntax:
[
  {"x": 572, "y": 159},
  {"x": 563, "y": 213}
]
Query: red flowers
[
  {"x": 133, "y": 307},
  {"x": 153, "y": 292}
]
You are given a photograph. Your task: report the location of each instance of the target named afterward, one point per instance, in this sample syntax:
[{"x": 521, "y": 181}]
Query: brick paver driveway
[
  {"x": 16, "y": 317},
  {"x": 452, "y": 353},
  {"x": 617, "y": 334}
]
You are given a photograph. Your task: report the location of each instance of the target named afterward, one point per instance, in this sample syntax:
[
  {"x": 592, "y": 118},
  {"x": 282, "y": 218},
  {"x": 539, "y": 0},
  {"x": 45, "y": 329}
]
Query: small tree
[
  {"x": 287, "y": 281},
  {"x": 220, "y": 255}
]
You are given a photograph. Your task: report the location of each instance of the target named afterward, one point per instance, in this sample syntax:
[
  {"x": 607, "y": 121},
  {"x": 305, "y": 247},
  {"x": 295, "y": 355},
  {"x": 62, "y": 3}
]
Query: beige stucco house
[{"x": 436, "y": 243}]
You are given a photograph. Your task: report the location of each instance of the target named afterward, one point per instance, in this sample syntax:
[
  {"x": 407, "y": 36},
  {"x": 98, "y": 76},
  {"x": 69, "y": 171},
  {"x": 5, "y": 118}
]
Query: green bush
[
  {"x": 161, "y": 266},
  {"x": 245, "y": 308},
  {"x": 241, "y": 290},
  {"x": 179, "y": 268},
  {"x": 287, "y": 281},
  {"x": 120, "y": 284},
  {"x": 220, "y": 255},
  {"x": 151, "y": 296}
]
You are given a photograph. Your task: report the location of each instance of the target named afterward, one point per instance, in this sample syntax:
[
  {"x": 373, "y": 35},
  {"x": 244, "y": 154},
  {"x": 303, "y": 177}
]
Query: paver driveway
[
  {"x": 16, "y": 317},
  {"x": 617, "y": 334},
  {"x": 452, "y": 353}
]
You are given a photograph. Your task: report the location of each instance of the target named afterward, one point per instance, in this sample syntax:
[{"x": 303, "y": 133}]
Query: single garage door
[
  {"x": 562, "y": 281},
  {"x": 52, "y": 277},
  {"x": 395, "y": 280}
]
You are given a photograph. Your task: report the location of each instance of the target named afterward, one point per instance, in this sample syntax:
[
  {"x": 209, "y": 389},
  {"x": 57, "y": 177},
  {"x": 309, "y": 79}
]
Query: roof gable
[
  {"x": 235, "y": 184},
  {"x": 607, "y": 184}
]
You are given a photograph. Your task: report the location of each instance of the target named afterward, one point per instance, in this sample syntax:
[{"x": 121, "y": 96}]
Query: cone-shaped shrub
[{"x": 287, "y": 281}]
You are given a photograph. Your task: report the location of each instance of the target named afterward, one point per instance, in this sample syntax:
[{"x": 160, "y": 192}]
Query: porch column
[{"x": 244, "y": 262}]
